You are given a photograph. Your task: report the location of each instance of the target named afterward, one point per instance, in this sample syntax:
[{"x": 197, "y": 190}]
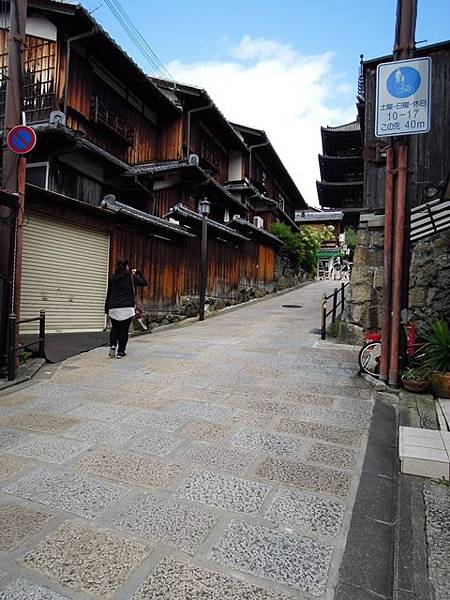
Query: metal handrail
[
  {"x": 13, "y": 346},
  {"x": 333, "y": 311}
]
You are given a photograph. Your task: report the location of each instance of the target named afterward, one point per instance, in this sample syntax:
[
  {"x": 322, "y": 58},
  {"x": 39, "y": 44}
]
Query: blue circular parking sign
[
  {"x": 21, "y": 139},
  {"x": 403, "y": 82}
]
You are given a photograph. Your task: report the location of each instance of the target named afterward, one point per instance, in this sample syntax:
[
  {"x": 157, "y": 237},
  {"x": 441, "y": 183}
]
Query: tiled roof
[
  {"x": 242, "y": 223},
  {"x": 353, "y": 126},
  {"x": 179, "y": 210},
  {"x": 314, "y": 217}
]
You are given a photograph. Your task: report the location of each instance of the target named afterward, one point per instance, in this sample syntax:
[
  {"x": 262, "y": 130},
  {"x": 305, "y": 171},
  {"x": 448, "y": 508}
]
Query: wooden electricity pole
[{"x": 14, "y": 166}]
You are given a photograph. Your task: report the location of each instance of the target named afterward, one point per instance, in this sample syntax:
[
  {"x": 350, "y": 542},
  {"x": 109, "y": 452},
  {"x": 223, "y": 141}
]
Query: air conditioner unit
[
  {"x": 258, "y": 222},
  {"x": 193, "y": 159},
  {"x": 57, "y": 118}
]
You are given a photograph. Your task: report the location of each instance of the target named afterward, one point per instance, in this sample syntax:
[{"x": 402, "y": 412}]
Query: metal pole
[
  {"x": 342, "y": 297},
  {"x": 398, "y": 263},
  {"x": 203, "y": 268},
  {"x": 404, "y": 47},
  {"x": 12, "y": 347},
  {"x": 335, "y": 294},
  {"x": 388, "y": 222},
  {"x": 323, "y": 330},
  {"x": 42, "y": 334}
]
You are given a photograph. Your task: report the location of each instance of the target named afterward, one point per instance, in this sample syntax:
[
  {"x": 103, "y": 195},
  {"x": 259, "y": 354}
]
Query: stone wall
[
  {"x": 429, "y": 291},
  {"x": 364, "y": 299},
  {"x": 429, "y": 281}
]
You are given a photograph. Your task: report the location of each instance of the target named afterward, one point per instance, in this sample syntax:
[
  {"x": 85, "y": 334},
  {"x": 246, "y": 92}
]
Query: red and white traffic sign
[{"x": 21, "y": 139}]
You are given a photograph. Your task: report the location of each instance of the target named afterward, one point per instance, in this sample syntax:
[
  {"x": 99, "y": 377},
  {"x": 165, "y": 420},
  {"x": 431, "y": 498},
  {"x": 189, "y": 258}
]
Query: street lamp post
[{"x": 204, "y": 209}]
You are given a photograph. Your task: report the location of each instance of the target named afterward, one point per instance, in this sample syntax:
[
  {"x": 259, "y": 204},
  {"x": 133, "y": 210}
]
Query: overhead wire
[
  {"x": 137, "y": 39},
  {"x": 141, "y": 38}
]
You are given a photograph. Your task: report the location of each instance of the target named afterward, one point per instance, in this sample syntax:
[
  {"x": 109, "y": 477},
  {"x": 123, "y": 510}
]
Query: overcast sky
[{"x": 285, "y": 66}]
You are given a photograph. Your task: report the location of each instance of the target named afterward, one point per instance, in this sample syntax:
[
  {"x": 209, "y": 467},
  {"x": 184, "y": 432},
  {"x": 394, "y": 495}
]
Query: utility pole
[
  {"x": 14, "y": 166},
  {"x": 396, "y": 246}
]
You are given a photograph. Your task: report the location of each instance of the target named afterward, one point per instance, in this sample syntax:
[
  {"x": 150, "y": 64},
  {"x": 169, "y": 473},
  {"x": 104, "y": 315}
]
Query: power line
[{"x": 137, "y": 39}]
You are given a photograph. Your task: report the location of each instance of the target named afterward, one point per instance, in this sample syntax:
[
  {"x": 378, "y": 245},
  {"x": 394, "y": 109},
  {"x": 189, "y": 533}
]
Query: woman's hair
[{"x": 121, "y": 266}]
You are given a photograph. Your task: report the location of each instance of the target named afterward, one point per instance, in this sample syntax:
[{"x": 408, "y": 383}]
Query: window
[{"x": 37, "y": 174}]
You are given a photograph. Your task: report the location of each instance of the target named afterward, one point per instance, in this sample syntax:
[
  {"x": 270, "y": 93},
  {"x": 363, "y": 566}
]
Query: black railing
[
  {"x": 338, "y": 300},
  {"x": 14, "y": 347}
]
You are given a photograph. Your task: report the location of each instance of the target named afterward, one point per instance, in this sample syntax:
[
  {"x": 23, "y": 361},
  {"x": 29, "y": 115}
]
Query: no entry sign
[{"x": 21, "y": 139}]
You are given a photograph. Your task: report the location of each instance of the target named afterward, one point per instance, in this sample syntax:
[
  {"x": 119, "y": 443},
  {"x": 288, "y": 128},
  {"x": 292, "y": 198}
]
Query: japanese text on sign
[{"x": 403, "y": 98}]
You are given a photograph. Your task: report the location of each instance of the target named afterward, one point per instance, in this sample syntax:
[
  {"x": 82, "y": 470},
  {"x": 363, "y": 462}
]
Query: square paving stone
[
  {"x": 48, "y": 448},
  {"x": 306, "y": 512},
  {"x": 17, "y": 524},
  {"x": 58, "y": 405},
  {"x": 350, "y": 420},
  {"x": 166, "y": 521},
  {"x": 286, "y": 559},
  {"x": 269, "y": 443},
  {"x": 8, "y": 438},
  {"x": 206, "y": 431},
  {"x": 21, "y": 589},
  {"x": 10, "y": 467},
  {"x": 231, "y": 493},
  {"x": 155, "y": 442},
  {"x": 219, "y": 456},
  {"x": 129, "y": 468},
  {"x": 73, "y": 493},
  {"x": 102, "y": 412},
  {"x": 173, "y": 580},
  {"x": 86, "y": 559},
  {"x": 141, "y": 419},
  {"x": 98, "y": 433},
  {"x": 200, "y": 409},
  {"x": 39, "y": 422},
  {"x": 310, "y": 477},
  {"x": 342, "y": 458},
  {"x": 247, "y": 418},
  {"x": 330, "y": 433}
]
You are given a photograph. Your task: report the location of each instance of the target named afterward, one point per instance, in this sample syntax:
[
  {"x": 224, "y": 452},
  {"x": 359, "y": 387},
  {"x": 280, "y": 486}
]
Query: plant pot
[
  {"x": 416, "y": 386},
  {"x": 441, "y": 384}
]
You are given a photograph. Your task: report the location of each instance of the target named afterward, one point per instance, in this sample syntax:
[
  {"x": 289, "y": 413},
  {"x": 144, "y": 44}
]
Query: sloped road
[{"x": 218, "y": 460}]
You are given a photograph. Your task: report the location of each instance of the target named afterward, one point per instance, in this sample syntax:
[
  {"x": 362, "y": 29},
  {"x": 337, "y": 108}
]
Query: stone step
[
  {"x": 424, "y": 452},
  {"x": 444, "y": 405}
]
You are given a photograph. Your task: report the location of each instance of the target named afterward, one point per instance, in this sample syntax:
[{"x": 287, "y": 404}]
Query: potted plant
[
  {"x": 416, "y": 379},
  {"x": 437, "y": 356}
]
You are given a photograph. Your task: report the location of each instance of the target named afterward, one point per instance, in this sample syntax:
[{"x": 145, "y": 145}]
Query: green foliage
[
  {"x": 300, "y": 248},
  {"x": 334, "y": 328},
  {"x": 417, "y": 374},
  {"x": 437, "y": 347},
  {"x": 351, "y": 237},
  {"x": 327, "y": 234}
]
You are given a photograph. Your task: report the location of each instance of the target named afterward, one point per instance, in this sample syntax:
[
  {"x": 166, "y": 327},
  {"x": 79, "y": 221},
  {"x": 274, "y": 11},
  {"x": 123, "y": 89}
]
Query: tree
[{"x": 301, "y": 248}]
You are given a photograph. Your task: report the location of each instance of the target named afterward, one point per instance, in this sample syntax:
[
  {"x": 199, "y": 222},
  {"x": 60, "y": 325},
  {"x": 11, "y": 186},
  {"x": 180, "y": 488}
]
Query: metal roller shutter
[{"x": 65, "y": 271}]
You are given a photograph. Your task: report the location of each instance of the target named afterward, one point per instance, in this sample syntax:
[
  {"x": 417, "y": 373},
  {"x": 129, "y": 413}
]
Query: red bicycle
[{"x": 370, "y": 354}]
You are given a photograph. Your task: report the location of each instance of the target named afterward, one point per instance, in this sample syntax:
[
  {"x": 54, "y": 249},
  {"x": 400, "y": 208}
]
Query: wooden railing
[
  {"x": 338, "y": 301},
  {"x": 14, "y": 347}
]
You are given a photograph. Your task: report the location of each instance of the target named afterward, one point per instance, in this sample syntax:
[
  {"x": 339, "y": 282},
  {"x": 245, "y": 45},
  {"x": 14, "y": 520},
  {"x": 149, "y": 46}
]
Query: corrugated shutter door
[{"x": 65, "y": 271}]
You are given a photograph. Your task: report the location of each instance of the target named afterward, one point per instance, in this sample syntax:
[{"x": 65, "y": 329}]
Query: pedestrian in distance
[{"x": 120, "y": 304}]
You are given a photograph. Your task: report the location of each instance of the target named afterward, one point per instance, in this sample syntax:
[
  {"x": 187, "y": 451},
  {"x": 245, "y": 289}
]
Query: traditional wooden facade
[{"x": 120, "y": 165}]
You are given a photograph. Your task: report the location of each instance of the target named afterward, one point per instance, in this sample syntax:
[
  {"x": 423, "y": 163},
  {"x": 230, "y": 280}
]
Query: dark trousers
[{"x": 119, "y": 334}]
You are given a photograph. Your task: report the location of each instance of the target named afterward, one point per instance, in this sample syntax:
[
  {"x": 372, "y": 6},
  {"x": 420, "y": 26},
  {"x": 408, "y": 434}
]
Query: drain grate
[{"x": 291, "y": 306}]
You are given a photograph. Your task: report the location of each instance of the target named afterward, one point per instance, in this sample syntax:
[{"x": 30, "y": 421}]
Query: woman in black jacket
[{"x": 120, "y": 304}]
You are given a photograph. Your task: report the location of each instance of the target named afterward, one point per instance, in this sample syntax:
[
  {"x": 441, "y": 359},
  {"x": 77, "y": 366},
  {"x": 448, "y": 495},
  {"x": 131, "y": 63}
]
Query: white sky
[{"x": 270, "y": 86}]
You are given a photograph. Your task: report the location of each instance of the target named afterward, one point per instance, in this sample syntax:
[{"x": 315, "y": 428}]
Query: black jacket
[{"x": 120, "y": 290}]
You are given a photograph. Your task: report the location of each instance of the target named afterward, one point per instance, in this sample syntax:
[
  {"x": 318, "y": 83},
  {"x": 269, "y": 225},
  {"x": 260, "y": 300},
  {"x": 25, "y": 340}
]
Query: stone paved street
[{"x": 218, "y": 460}]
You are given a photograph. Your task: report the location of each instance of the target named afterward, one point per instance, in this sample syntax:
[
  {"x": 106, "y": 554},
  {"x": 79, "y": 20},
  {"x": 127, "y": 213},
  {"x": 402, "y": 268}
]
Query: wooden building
[
  {"x": 342, "y": 171},
  {"x": 120, "y": 165},
  {"x": 428, "y": 153}
]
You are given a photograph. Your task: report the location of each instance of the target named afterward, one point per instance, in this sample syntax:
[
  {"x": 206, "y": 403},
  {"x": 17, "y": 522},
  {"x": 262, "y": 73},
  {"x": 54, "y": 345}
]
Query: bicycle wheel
[{"x": 369, "y": 359}]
